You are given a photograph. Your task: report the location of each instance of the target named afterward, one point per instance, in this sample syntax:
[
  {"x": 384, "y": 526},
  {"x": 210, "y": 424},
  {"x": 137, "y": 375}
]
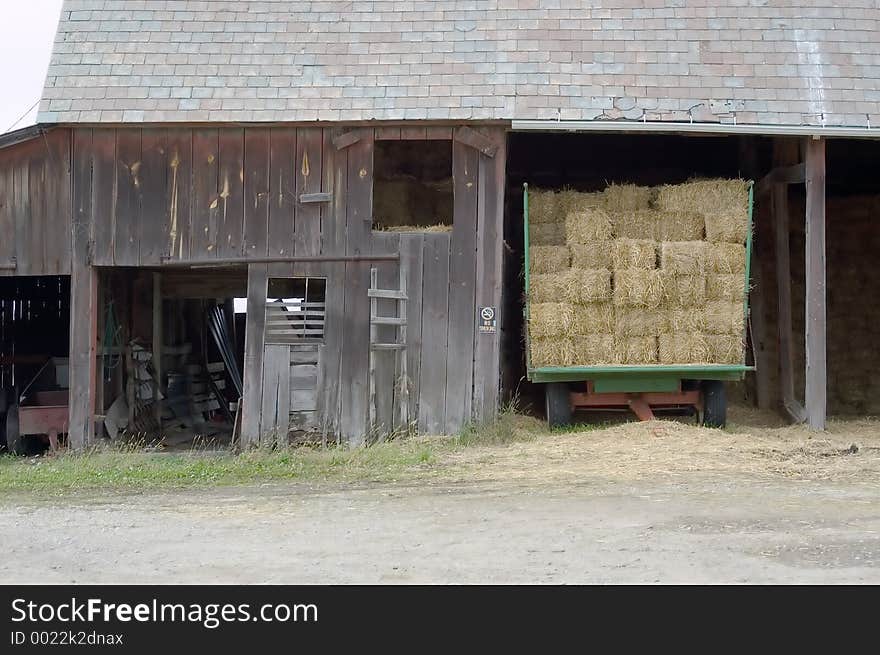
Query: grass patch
[{"x": 110, "y": 468}]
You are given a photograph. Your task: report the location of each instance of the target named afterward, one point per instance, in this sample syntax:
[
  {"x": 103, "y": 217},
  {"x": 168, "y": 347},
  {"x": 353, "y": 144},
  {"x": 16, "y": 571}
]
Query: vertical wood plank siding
[{"x": 133, "y": 196}]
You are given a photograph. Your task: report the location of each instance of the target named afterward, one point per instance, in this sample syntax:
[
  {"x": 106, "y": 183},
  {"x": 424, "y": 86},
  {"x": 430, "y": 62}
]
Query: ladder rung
[
  {"x": 388, "y": 346},
  {"x": 393, "y": 294},
  {"x": 387, "y": 320}
]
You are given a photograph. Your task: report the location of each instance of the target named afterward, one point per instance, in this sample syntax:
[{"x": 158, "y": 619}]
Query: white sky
[{"x": 27, "y": 30}]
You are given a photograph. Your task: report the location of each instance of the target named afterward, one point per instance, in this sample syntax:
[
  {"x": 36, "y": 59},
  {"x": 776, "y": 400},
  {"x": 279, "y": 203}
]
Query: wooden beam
[
  {"x": 784, "y": 153},
  {"x": 816, "y": 366},
  {"x": 83, "y": 355},
  {"x": 348, "y": 139},
  {"x": 157, "y": 348},
  {"x": 306, "y": 198},
  {"x": 793, "y": 174},
  {"x": 474, "y": 139},
  {"x": 254, "y": 334}
]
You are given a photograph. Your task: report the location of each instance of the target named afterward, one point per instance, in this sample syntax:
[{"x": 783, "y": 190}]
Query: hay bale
[
  {"x": 587, "y": 225},
  {"x": 549, "y": 319},
  {"x": 639, "y": 321},
  {"x": 544, "y": 207},
  {"x": 723, "y": 317},
  {"x": 591, "y": 350},
  {"x": 557, "y": 319},
  {"x": 546, "y": 234},
  {"x": 680, "y": 291},
  {"x": 704, "y": 196},
  {"x": 569, "y": 201},
  {"x": 727, "y": 227},
  {"x": 596, "y": 254},
  {"x": 683, "y": 257},
  {"x": 658, "y": 225},
  {"x": 548, "y": 259},
  {"x": 633, "y": 253},
  {"x": 724, "y": 349},
  {"x": 627, "y": 197},
  {"x": 547, "y": 287},
  {"x": 635, "y": 288},
  {"x": 725, "y": 257},
  {"x": 550, "y": 352},
  {"x": 592, "y": 318},
  {"x": 724, "y": 205},
  {"x": 726, "y": 286},
  {"x": 635, "y": 350},
  {"x": 583, "y": 286},
  {"x": 683, "y": 348},
  {"x": 683, "y": 320}
]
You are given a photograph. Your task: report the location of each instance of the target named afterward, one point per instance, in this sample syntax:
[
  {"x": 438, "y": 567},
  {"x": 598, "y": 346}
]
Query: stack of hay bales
[{"x": 638, "y": 275}]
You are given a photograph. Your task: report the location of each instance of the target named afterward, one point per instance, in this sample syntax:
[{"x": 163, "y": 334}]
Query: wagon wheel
[
  {"x": 714, "y": 404},
  {"x": 13, "y": 437},
  {"x": 558, "y": 404}
]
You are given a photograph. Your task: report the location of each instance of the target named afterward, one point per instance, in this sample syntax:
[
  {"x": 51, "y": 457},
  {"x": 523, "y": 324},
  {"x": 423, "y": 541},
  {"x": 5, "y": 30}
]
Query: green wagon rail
[{"x": 631, "y": 378}]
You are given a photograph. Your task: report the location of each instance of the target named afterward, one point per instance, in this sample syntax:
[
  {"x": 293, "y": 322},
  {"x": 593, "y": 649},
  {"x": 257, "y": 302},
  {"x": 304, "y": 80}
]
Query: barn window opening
[
  {"x": 295, "y": 310},
  {"x": 412, "y": 186}
]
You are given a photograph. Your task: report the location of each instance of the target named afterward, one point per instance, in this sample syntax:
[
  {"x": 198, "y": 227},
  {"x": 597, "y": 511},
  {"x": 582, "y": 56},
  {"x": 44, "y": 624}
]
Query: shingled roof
[{"x": 768, "y": 62}]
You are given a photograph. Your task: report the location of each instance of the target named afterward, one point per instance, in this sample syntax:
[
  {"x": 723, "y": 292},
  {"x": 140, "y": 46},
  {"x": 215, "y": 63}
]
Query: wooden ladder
[{"x": 397, "y": 346}]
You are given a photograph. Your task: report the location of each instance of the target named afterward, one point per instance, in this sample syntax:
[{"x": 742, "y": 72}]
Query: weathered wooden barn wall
[
  {"x": 153, "y": 194},
  {"x": 35, "y": 206}
]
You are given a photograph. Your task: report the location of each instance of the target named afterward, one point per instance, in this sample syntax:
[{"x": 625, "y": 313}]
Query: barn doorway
[
  {"x": 171, "y": 346},
  {"x": 590, "y": 163},
  {"x": 34, "y": 358}
]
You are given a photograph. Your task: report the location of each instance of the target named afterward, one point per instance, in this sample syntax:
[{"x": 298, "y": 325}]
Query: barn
[{"x": 270, "y": 220}]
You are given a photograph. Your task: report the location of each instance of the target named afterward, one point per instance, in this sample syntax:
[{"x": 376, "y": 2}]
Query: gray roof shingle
[{"x": 769, "y": 62}]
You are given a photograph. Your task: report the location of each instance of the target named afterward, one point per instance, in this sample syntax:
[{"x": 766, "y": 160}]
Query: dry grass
[
  {"x": 439, "y": 227},
  {"x": 547, "y": 287},
  {"x": 596, "y": 254},
  {"x": 633, "y": 254},
  {"x": 755, "y": 444}
]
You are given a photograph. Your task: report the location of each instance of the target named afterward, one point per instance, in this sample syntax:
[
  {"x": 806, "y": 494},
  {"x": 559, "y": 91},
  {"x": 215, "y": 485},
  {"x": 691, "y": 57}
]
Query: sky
[{"x": 27, "y": 30}]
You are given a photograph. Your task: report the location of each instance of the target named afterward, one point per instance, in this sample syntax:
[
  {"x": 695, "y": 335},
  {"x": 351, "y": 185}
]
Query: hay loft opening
[{"x": 412, "y": 186}]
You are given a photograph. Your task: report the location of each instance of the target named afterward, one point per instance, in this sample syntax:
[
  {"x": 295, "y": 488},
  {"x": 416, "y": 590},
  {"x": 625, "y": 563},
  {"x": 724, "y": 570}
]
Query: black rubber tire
[
  {"x": 13, "y": 437},
  {"x": 558, "y": 404},
  {"x": 714, "y": 404}
]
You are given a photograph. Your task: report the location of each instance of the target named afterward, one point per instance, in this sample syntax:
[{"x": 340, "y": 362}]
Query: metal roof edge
[
  {"x": 702, "y": 128},
  {"x": 24, "y": 134}
]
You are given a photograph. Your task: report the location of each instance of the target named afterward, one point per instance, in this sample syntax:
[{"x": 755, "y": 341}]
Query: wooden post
[
  {"x": 252, "y": 400},
  {"x": 815, "y": 394},
  {"x": 83, "y": 353},
  {"x": 157, "y": 349},
  {"x": 784, "y": 154}
]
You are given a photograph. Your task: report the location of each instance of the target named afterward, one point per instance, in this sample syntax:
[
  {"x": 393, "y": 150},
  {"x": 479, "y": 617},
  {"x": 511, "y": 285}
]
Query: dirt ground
[{"x": 635, "y": 503}]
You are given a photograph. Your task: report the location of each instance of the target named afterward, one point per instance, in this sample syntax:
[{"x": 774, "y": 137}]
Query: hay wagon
[{"x": 641, "y": 388}]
